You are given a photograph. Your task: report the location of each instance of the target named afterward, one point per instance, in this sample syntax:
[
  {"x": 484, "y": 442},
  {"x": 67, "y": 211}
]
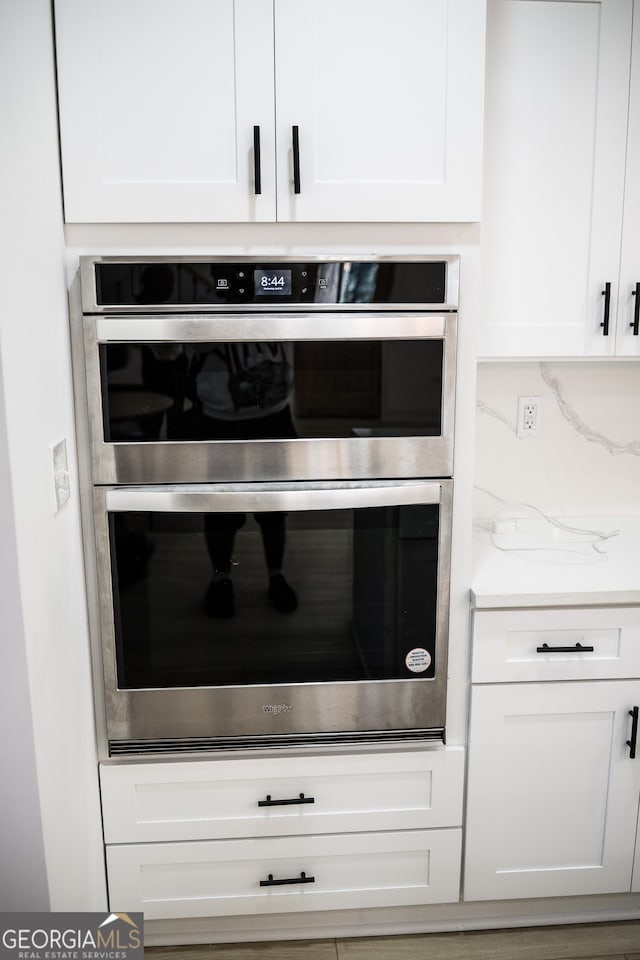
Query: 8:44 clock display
[{"x": 272, "y": 282}]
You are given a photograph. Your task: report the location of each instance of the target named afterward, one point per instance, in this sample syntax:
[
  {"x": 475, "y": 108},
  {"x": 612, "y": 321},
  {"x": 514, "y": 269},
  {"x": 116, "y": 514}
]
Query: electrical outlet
[
  {"x": 529, "y": 410},
  {"x": 60, "y": 468}
]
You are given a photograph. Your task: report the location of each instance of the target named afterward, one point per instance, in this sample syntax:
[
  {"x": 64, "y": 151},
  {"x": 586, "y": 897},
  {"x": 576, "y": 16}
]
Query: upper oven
[{"x": 267, "y": 369}]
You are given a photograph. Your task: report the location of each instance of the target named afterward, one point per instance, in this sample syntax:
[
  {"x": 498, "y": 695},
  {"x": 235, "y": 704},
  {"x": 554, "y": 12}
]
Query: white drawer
[
  {"x": 545, "y": 644},
  {"x": 224, "y": 877},
  {"x": 207, "y": 799}
]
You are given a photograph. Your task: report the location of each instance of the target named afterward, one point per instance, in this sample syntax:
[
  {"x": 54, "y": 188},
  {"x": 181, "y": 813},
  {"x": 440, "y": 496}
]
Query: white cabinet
[
  {"x": 231, "y": 877},
  {"x": 553, "y": 791},
  {"x": 226, "y": 837},
  {"x": 387, "y": 96},
  {"x": 635, "y": 881},
  {"x": 197, "y": 800},
  {"x": 592, "y": 643},
  {"x": 553, "y": 794},
  {"x": 557, "y": 108},
  {"x": 158, "y": 101},
  {"x": 179, "y": 111},
  {"x": 628, "y": 324}
]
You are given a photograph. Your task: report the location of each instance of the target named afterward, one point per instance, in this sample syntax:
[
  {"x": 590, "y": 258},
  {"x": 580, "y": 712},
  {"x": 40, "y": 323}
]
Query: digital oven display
[{"x": 272, "y": 283}]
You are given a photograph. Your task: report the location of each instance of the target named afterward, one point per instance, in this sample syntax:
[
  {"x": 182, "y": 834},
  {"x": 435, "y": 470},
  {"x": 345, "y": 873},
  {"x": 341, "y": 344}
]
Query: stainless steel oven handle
[
  {"x": 273, "y": 326},
  {"x": 259, "y": 498}
]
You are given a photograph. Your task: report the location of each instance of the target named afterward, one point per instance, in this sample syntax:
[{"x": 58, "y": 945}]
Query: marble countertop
[{"x": 537, "y": 562}]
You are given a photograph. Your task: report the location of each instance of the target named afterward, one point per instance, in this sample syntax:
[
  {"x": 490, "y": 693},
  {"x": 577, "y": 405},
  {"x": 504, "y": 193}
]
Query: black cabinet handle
[
  {"x": 578, "y": 648},
  {"x": 270, "y": 882},
  {"x": 636, "y": 311},
  {"x": 296, "y": 159},
  {"x": 634, "y": 733},
  {"x": 606, "y": 293},
  {"x": 257, "y": 174},
  {"x": 285, "y": 803}
]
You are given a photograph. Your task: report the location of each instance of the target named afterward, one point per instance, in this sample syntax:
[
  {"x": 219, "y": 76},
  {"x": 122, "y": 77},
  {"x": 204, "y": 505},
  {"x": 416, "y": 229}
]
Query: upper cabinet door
[
  {"x": 386, "y": 101},
  {"x": 162, "y": 102},
  {"x": 628, "y": 326},
  {"x": 557, "y": 102},
  {"x": 158, "y": 104}
]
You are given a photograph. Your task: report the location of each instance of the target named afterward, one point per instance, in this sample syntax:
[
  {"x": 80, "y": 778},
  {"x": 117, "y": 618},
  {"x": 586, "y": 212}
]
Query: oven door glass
[
  {"x": 236, "y": 597},
  {"x": 187, "y": 391}
]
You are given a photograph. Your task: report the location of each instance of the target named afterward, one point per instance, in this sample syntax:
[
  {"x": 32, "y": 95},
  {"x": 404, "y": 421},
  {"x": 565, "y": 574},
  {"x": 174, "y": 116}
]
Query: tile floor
[{"x": 597, "y": 941}]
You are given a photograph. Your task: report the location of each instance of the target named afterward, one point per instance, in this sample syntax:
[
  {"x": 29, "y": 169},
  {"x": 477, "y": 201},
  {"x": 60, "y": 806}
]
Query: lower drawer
[
  {"x": 232, "y": 877},
  {"x": 593, "y": 643},
  {"x": 165, "y": 801}
]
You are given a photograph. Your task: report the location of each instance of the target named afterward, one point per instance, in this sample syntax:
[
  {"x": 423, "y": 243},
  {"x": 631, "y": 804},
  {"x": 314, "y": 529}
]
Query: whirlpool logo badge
[
  {"x": 275, "y": 708},
  {"x": 71, "y": 936}
]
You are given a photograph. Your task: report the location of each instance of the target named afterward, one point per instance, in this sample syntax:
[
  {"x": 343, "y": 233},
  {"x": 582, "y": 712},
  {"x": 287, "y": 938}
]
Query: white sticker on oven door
[{"x": 418, "y": 660}]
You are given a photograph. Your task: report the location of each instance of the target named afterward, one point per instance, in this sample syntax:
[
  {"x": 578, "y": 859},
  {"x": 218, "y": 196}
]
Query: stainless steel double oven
[{"x": 272, "y": 465}]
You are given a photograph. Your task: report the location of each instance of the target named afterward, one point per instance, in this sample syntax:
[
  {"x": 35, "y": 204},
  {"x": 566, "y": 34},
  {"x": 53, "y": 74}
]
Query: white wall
[
  {"x": 38, "y": 408},
  {"x": 23, "y": 878},
  {"x": 585, "y": 460}
]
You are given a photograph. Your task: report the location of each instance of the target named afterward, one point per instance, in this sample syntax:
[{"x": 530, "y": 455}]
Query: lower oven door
[{"x": 257, "y": 613}]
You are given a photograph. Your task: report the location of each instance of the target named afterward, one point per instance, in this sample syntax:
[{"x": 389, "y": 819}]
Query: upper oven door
[{"x": 267, "y": 397}]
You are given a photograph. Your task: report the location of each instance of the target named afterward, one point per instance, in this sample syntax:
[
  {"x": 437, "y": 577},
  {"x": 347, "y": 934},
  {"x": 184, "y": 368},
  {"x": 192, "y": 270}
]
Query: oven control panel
[{"x": 183, "y": 283}]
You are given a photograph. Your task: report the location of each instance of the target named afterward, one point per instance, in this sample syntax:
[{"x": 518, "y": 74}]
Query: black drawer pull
[
  {"x": 635, "y": 324},
  {"x": 257, "y": 167},
  {"x": 270, "y": 882},
  {"x": 285, "y": 803},
  {"x": 295, "y": 138},
  {"x": 545, "y": 648},
  {"x": 606, "y": 293},
  {"x": 632, "y": 744}
]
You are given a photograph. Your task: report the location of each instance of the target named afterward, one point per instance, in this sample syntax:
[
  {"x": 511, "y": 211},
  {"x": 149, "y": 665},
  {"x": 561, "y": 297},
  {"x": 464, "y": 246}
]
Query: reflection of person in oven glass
[{"x": 243, "y": 392}]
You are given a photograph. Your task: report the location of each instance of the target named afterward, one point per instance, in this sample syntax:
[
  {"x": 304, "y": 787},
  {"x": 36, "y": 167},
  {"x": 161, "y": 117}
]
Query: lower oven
[{"x": 351, "y": 645}]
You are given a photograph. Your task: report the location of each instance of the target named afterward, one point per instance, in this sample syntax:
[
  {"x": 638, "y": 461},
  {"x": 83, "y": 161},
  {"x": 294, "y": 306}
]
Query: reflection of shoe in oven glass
[
  {"x": 218, "y": 600},
  {"x": 281, "y": 595}
]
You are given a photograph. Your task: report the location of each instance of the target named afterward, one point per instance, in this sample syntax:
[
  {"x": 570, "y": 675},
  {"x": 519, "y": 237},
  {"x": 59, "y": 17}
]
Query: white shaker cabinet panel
[
  {"x": 557, "y": 102},
  {"x": 635, "y": 882},
  {"x": 387, "y": 101},
  {"x": 158, "y": 103},
  {"x": 235, "y": 877},
  {"x": 628, "y": 325},
  {"x": 200, "y": 800},
  {"x": 592, "y": 643},
  {"x": 553, "y": 792}
]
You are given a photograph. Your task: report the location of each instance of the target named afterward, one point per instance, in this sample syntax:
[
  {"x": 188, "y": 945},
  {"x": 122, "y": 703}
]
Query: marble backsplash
[{"x": 584, "y": 459}]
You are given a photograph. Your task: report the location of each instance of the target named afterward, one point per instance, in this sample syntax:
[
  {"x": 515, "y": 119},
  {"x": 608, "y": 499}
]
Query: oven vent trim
[{"x": 119, "y": 748}]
